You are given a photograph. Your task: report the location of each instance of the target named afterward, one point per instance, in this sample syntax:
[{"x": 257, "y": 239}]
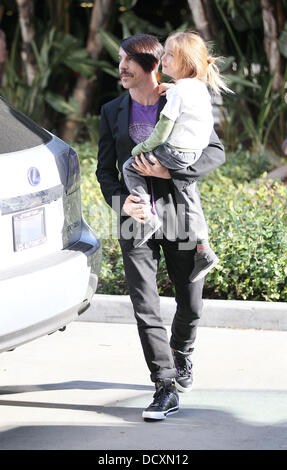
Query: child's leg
[
  {"x": 175, "y": 159},
  {"x": 202, "y": 245},
  {"x": 205, "y": 259},
  {"x": 135, "y": 183},
  {"x": 137, "y": 186},
  {"x": 190, "y": 213}
]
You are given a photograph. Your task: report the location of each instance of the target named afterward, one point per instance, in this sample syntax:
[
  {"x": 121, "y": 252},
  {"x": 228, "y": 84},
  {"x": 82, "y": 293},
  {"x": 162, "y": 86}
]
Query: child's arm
[
  {"x": 158, "y": 136},
  {"x": 163, "y": 87}
]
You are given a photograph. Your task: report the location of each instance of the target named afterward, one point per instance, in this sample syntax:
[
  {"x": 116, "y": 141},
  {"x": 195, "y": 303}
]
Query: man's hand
[
  {"x": 135, "y": 209},
  {"x": 146, "y": 169}
]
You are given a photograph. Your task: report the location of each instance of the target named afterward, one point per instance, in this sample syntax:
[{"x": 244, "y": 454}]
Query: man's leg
[
  {"x": 188, "y": 298},
  {"x": 141, "y": 266}
]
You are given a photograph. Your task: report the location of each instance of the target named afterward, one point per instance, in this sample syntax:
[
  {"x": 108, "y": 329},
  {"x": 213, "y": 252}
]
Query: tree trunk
[
  {"x": 211, "y": 18},
  {"x": 200, "y": 19},
  {"x": 26, "y": 19},
  {"x": 3, "y": 49},
  {"x": 85, "y": 88},
  {"x": 3, "y": 52},
  {"x": 271, "y": 43},
  {"x": 281, "y": 16}
]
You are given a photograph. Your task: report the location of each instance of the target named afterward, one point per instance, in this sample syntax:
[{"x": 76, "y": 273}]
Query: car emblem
[{"x": 34, "y": 176}]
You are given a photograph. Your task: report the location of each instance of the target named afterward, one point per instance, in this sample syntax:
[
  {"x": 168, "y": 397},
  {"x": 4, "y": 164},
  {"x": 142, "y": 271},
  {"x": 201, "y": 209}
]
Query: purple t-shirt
[{"x": 142, "y": 120}]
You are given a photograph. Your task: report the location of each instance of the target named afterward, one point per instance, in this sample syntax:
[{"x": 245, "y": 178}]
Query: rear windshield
[{"x": 17, "y": 131}]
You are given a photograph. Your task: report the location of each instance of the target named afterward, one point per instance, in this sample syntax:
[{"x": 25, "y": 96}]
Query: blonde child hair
[{"x": 194, "y": 61}]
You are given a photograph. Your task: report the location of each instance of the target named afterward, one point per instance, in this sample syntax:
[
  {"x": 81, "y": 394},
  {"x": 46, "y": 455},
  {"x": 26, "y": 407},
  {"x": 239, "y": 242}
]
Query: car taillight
[{"x": 74, "y": 173}]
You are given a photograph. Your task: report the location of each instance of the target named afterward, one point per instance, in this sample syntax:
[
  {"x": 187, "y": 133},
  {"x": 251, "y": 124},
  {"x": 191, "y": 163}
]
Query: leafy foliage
[
  {"x": 247, "y": 219},
  {"x": 57, "y": 54},
  {"x": 247, "y": 225},
  {"x": 255, "y": 117}
]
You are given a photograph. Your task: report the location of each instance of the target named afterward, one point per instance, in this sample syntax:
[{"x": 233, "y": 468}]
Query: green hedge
[
  {"x": 247, "y": 220},
  {"x": 247, "y": 225}
]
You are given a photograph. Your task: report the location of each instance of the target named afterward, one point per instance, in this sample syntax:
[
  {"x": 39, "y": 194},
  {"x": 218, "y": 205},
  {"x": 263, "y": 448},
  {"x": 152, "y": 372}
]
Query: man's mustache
[{"x": 126, "y": 74}]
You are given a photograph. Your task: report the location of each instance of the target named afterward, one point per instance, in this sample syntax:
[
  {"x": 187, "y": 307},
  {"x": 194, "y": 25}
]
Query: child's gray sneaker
[{"x": 203, "y": 263}]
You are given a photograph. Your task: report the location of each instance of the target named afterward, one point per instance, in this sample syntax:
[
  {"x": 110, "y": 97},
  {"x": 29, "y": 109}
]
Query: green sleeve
[{"x": 158, "y": 136}]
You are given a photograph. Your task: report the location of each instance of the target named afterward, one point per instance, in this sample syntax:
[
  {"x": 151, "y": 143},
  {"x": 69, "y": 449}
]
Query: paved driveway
[{"x": 86, "y": 388}]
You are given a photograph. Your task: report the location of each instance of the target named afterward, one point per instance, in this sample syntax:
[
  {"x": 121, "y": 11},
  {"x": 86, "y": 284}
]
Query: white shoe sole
[
  {"x": 182, "y": 389},
  {"x": 157, "y": 415}
]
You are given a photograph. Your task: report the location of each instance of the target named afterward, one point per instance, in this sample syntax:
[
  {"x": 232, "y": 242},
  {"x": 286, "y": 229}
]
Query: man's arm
[
  {"x": 107, "y": 172},
  {"x": 212, "y": 157}
]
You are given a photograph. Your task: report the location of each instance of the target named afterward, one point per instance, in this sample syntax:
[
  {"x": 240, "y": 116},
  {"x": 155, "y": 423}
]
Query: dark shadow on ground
[
  {"x": 72, "y": 385},
  {"x": 118, "y": 424}
]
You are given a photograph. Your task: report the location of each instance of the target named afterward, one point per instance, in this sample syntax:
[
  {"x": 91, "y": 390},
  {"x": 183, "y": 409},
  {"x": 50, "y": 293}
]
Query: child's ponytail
[{"x": 213, "y": 77}]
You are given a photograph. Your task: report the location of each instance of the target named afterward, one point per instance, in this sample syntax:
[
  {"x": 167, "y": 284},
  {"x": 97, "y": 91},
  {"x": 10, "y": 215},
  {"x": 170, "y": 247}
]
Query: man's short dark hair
[{"x": 145, "y": 49}]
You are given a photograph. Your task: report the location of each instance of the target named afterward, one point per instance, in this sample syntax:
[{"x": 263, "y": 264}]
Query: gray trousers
[
  {"x": 188, "y": 202},
  {"x": 141, "y": 270}
]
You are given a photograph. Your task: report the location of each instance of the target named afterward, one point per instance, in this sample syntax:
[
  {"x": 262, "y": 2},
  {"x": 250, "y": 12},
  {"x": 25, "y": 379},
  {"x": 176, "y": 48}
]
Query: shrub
[
  {"x": 243, "y": 166},
  {"x": 100, "y": 218},
  {"x": 247, "y": 221},
  {"x": 247, "y": 225}
]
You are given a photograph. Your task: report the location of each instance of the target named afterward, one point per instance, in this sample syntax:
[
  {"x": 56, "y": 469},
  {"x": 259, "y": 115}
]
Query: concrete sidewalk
[
  {"x": 86, "y": 389},
  {"x": 216, "y": 313}
]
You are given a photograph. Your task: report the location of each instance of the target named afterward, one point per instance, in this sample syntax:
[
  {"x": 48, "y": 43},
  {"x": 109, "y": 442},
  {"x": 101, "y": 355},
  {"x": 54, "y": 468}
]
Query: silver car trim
[{"x": 31, "y": 200}]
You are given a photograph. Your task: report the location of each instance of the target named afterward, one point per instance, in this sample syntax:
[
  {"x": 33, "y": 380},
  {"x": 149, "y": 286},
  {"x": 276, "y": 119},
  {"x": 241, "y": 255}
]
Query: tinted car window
[{"x": 17, "y": 131}]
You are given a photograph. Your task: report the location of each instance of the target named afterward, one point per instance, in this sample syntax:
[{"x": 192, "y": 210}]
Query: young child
[{"x": 179, "y": 137}]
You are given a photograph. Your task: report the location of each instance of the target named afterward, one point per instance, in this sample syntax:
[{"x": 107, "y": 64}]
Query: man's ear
[
  {"x": 155, "y": 66},
  {"x": 155, "y": 70}
]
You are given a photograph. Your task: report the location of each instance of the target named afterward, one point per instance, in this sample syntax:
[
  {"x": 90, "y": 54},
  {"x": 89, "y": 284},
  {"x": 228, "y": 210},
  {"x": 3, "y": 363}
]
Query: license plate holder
[{"x": 29, "y": 229}]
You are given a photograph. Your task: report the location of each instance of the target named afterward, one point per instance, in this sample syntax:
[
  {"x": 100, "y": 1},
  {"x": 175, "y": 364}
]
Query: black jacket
[{"x": 115, "y": 147}]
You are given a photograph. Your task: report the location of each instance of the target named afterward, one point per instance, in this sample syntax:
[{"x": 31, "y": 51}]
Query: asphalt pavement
[{"x": 85, "y": 389}]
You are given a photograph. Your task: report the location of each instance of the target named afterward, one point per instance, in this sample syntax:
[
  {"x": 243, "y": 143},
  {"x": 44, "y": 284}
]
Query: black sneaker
[
  {"x": 165, "y": 401},
  {"x": 183, "y": 366},
  {"x": 203, "y": 263}
]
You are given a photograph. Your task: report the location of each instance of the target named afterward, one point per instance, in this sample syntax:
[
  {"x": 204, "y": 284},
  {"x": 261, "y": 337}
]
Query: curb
[{"x": 216, "y": 313}]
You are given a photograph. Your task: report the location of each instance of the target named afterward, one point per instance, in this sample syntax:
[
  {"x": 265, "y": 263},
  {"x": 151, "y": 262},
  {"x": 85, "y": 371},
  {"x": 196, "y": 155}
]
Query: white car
[{"x": 49, "y": 257}]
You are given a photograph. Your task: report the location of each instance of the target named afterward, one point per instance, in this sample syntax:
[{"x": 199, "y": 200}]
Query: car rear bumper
[{"x": 44, "y": 295}]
